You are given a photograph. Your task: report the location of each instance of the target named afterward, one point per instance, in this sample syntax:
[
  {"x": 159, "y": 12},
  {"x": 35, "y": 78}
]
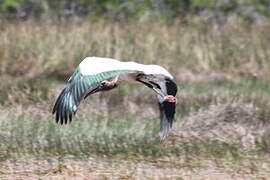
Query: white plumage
[{"x": 95, "y": 65}]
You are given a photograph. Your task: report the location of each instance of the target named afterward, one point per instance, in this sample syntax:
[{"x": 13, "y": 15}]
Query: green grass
[{"x": 98, "y": 136}]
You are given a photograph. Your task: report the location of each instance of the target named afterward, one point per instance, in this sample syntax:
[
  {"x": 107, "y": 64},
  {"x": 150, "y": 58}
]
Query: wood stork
[{"x": 96, "y": 74}]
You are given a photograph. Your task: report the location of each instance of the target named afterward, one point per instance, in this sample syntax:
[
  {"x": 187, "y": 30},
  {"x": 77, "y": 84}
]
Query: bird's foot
[
  {"x": 170, "y": 98},
  {"x": 108, "y": 83},
  {"x": 111, "y": 83}
]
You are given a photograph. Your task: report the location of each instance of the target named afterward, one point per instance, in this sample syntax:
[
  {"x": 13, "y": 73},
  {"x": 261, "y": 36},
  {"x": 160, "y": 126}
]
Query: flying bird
[{"x": 95, "y": 74}]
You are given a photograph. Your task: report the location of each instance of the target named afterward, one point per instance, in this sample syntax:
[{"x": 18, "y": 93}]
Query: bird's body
[{"x": 96, "y": 74}]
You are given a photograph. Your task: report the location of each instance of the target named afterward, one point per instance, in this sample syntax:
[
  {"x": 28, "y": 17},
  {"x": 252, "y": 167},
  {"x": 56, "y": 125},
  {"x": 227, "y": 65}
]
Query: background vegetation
[
  {"x": 138, "y": 9},
  {"x": 222, "y": 71}
]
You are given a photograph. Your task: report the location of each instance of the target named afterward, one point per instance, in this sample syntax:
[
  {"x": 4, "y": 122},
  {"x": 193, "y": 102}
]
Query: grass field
[{"x": 222, "y": 126}]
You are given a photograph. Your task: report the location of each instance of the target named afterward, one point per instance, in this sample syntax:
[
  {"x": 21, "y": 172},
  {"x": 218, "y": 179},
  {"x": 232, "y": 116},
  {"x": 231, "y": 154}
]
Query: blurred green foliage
[{"x": 123, "y": 9}]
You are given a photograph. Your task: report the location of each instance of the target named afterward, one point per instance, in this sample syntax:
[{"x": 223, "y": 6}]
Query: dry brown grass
[
  {"x": 232, "y": 122},
  {"x": 100, "y": 168},
  {"x": 33, "y": 48}
]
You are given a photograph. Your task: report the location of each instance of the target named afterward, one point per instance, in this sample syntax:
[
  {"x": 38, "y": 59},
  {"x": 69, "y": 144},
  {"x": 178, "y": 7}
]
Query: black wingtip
[
  {"x": 70, "y": 117},
  {"x": 171, "y": 87},
  {"x": 62, "y": 110},
  {"x": 167, "y": 112},
  {"x": 63, "y": 115}
]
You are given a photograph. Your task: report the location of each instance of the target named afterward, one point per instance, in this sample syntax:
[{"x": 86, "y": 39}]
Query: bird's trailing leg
[{"x": 168, "y": 98}]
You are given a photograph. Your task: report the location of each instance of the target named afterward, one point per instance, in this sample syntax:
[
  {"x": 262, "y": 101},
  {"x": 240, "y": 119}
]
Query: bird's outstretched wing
[
  {"x": 78, "y": 87},
  {"x": 167, "y": 109},
  {"x": 163, "y": 87}
]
